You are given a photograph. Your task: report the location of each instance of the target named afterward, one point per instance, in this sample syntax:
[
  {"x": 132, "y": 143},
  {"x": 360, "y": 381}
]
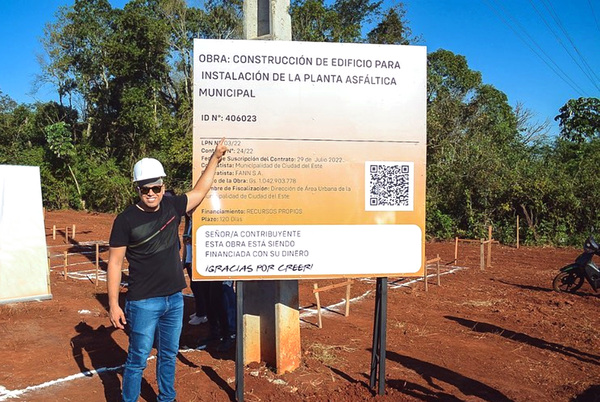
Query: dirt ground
[{"x": 496, "y": 335}]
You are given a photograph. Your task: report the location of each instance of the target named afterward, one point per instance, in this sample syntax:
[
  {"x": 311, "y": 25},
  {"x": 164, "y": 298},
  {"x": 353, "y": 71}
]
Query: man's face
[{"x": 151, "y": 195}]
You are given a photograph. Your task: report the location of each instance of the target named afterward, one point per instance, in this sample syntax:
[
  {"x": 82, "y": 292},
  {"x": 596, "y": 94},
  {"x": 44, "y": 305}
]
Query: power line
[
  {"x": 589, "y": 73},
  {"x": 594, "y": 15},
  {"x": 540, "y": 53}
]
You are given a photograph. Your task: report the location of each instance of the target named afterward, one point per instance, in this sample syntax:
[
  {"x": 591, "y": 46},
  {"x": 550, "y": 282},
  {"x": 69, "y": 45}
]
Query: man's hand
[
  {"x": 220, "y": 149},
  {"x": 117, "y": 317}
]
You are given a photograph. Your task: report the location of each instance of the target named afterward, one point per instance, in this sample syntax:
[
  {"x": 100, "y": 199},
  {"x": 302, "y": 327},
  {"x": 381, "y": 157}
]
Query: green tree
[
  {"x": 78, "y": 59},
  {"x": 218, "y": 19},
  {"x": 13, "y": 128},
  {"x": 60, "y": 143},
  {"x": 449, "y": 82},
  {"x": 473, "y": 146},
  {"x": 393, "y": 29},
  {"x": 348, "y": 21},
  {"x": 579, "y": 119},
  {"x": 129, "y": 73},
  {"x": 7, "y": 104}
]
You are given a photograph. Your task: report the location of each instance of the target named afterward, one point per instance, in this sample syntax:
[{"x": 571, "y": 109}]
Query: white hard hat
[{"x": 147, "y": 168}]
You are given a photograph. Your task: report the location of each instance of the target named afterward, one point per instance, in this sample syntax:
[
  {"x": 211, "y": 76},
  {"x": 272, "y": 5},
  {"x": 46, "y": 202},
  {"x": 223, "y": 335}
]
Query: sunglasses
[{"x": 146, "y": 190}]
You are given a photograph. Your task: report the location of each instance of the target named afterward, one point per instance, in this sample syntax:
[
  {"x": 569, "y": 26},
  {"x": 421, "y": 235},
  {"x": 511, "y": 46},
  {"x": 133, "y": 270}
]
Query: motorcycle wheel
[{"x": 568, "y": 282}]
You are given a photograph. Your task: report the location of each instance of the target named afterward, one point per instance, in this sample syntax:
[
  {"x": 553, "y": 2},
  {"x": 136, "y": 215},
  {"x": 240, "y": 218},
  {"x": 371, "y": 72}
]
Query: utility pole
[{"x": 271, "y": 320}]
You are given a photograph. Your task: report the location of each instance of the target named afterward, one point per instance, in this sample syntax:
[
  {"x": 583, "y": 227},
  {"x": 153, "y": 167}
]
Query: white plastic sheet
[{"x": 24, "y": 272}]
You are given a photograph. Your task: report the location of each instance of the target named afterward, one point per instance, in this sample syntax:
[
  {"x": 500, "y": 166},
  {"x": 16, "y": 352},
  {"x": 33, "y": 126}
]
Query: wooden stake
[
  {"x": 97, "y": 261},
  {"x": 517, "y": 231},
  {"x": 489, "y": 257},
  {"x": 438, "y": 269},
  {"x": 456, "y": 249},
  {"x": 425, "y": 276},
  {"x": 481, "y": 255},
  {"x": 53, "y": 232},
  {"x": 317, "y": 290},
  {"x": 348, "y": 298},
  {"x": 318, "y": 305},
  {"x": 73, "y": 232},
  {"x": 67, "y": 234},
  {"x": 66, "y": 259}
]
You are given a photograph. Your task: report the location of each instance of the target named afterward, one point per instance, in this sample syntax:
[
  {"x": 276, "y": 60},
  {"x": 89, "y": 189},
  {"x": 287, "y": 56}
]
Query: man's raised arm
[{"x": 202, "y": 186}]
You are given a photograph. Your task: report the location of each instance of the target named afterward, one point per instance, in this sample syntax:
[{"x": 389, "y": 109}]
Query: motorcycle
[{"x": 571, "y": 277}]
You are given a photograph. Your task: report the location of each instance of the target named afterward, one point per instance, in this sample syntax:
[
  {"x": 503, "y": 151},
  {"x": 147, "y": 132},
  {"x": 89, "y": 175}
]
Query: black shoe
[{"x": 226, "y": 343}]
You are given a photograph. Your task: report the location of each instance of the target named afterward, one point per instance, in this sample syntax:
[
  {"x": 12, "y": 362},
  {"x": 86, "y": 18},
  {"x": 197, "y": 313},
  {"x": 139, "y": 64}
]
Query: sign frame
[{"x": 313, "y": 130}]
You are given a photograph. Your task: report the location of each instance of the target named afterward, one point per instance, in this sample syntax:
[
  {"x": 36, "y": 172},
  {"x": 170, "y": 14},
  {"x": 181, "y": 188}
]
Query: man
[{"x": 147, "y": 234}]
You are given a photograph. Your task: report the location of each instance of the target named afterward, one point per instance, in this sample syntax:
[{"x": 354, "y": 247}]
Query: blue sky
[
  {"x": 541, "y": 53},
  {"x": 522, "y": 47}
]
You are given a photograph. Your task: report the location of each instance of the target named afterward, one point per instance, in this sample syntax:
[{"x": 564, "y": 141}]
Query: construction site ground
[{"x": 498, "y": 334}]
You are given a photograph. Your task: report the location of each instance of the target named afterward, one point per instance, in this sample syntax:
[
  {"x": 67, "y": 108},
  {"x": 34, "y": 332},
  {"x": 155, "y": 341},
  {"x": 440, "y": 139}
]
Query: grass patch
[
  {"x": 328, "y": 354},
  {"x": 398, "y": 324}
]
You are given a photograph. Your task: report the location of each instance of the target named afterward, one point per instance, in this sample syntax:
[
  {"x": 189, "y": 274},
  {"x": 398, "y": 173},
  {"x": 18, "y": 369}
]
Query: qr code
[{"x": 389, "y": 186}]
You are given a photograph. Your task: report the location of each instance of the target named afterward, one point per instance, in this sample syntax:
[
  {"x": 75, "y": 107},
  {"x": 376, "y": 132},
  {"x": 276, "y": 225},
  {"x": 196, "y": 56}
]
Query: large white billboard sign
[{"x": 326, "y": 171}]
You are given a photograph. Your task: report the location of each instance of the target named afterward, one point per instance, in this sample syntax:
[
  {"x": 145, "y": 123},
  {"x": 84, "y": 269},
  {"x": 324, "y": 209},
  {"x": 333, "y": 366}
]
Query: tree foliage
[
  {"x": 579, "y": 119},
  {"x": 488, "y": 163},
  {"x": 127, "y": 74},
  {"x": 348, "y": 21},
  {"x": 393, "y": 29}
]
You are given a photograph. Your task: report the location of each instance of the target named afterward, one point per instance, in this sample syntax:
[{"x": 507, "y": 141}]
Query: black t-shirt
[{"x": 152, "y": 240}]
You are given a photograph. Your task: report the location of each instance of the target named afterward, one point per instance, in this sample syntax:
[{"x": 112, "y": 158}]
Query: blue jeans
[{"x": 157, "y": 320}]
